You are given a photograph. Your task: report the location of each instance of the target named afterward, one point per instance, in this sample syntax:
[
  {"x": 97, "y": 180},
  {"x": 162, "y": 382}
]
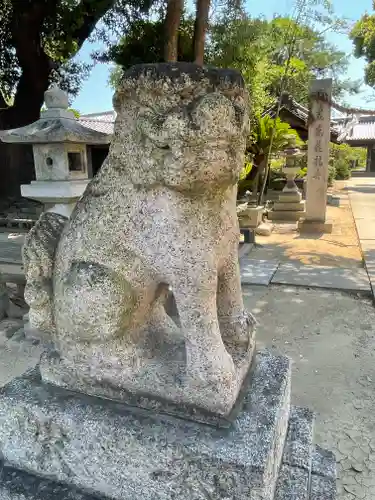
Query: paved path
[{"x": 361, "y": 191}]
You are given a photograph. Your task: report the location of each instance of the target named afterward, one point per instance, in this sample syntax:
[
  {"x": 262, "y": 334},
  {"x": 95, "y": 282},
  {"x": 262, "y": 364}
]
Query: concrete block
[
  {"x": 323, "y": 463},
  {"x": 323, "y": 488},
  {"x": 19, "y": 485},
  {"x": 308, "y": 226},
  {"x": 250, "y": 217},
  {"x": 264, "y": 229},
  {"x": 293, "y": 484}
]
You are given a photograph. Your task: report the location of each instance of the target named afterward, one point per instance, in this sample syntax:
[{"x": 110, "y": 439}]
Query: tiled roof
[
  {"x": 296, "y": 109},
  {"x": 358, "y": 129},
  {"x": 288, "y": 103},
  {"x": 101, "y": 122}
]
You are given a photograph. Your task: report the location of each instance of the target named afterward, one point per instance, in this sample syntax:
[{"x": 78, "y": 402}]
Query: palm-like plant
[
  {"x": 260, "y": 138},
  {"x": 259, "y": 143}
]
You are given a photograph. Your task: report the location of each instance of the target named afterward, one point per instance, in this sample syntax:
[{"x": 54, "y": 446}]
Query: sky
[{"x": 96, "y": 95}]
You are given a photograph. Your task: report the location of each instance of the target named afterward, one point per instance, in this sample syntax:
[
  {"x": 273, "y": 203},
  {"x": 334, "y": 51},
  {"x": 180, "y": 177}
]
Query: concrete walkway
[{"x": 361, "y": 189}]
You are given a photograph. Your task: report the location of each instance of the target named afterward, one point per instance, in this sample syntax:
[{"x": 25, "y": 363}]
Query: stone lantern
[
  {"x": 59, "y": 144},
  {"x": 290, "y": 206}
]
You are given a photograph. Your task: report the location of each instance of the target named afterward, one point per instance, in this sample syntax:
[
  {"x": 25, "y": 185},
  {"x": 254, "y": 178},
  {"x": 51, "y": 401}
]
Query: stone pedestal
[
  {"x": 58, "y": 196},
  {"x": 124, "y": 452},
  {"x": 289, "y": 206}
]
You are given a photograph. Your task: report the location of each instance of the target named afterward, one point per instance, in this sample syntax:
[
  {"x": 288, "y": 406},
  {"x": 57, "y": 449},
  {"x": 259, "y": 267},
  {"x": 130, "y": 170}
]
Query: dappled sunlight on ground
[{"x": 339, "y": 249}]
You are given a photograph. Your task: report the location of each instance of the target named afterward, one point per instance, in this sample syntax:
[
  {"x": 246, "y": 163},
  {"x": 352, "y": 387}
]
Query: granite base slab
[
  {"x": 293, "y": 483},
  {"x": 323, "y": 475},
  {"x": 159, "y": 383},
  {"x": 307, "y": 472},
  {"x": 121, "y": 452},
  {"x": 159, "y": 405},
  {"x": 19, "y": 485},
  {"x": 288, "y": 206}
]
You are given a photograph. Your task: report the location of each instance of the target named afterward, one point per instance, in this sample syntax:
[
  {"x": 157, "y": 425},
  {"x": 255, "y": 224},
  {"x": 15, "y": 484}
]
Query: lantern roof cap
[{"x": 56, "y": 124}]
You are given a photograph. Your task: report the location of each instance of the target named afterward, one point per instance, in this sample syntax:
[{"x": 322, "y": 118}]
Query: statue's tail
[{"x": 38, "y": 259}]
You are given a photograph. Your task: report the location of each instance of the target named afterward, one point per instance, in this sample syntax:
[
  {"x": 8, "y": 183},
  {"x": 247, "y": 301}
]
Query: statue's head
[{"x": 181, "y": 125}]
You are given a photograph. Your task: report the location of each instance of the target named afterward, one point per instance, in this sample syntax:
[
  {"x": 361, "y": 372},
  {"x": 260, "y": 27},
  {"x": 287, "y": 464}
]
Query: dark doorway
[{"x": 98, "y": 155}]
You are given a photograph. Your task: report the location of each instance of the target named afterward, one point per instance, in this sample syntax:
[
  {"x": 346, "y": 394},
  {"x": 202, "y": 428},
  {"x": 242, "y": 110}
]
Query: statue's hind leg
[
  {"x": 93, "y": 304},
  {"x": 102, "y": 318}
]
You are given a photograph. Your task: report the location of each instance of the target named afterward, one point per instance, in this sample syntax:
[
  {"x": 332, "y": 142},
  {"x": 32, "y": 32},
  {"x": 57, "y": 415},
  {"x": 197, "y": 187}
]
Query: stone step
[
  {"x": 323, "y": 475},
  {"x": 19, "y": 485},
  {"x": 286, "y": 215},
  {"x": 290, "y": 197},
  {"x": 294, "y": 475},
  {"x": 292, "y": 207}
]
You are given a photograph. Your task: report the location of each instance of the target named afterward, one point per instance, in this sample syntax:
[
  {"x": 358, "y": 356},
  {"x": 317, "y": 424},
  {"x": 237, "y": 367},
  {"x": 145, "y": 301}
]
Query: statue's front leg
[
  {"x": 236, "y": 324},
  {"x": 208, "y": 361}
]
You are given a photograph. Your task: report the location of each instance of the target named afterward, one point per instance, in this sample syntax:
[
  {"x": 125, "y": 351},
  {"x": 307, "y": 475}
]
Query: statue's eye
[{"x": 213, "y": 108}]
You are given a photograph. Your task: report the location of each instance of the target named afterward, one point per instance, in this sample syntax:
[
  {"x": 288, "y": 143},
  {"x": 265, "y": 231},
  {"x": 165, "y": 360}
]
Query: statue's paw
[
  {"x": 211, "y": 368},
  {"x": 238, "y": 330}
]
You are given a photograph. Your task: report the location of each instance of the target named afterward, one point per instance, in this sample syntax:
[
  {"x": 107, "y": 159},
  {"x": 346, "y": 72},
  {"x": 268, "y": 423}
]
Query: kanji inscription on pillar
[{"x": 318, "y": 150}]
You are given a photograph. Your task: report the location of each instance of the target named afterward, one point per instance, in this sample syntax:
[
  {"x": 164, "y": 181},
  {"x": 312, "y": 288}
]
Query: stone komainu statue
[{"x": 160, "y": 213}]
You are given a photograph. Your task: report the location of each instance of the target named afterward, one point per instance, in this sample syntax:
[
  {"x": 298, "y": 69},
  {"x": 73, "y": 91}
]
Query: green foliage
[
  {"x": 348, "y": 153},
  {"x": 246, "y": 170},
  {"x": 258, "y": 148},
  {"x": 144, "y": 43},
  {"x": 343, "y": 157},
  {"x": 49, "y": 33},
  {"x": 76, "y": 113},
  {"x": 266, "y": 127},
  {"x": 331, "y": 174},
  {"x": 258, "y": 48},
  {"x": 263, "y": 50},
  {"x": 363, "y": 37},
  {"x": 342, "y": 170},
  {"x": 243, "y": 44}
]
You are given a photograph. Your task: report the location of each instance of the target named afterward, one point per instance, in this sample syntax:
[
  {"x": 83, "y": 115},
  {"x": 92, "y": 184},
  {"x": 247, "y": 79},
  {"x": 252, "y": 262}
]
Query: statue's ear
[
  {"x": 123, "y": 97},
  {"x": 241, "y": 110}
]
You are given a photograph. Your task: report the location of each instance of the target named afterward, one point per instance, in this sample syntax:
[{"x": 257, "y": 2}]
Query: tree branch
[{"x": 90, "y": 11}]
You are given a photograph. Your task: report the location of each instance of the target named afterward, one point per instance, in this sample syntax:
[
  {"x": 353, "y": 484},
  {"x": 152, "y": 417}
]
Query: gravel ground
[{"x": 330, "y": 336}]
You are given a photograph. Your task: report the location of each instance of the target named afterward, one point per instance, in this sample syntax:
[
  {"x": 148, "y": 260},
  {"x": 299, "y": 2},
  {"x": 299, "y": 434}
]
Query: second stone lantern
[
  {"x": 290, "y": 206},
  {"x": 59, "y": 142}
]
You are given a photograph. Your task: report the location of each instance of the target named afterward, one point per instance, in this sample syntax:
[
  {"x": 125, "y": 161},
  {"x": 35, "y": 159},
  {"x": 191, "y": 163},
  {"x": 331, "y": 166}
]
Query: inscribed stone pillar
[{"x": 318, "y": 157}]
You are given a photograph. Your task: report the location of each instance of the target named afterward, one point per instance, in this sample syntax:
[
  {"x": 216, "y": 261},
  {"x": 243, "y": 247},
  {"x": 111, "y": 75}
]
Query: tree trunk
[
  {"x": 172, "y": 24},
  {"x": 201, "y": 23}
]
